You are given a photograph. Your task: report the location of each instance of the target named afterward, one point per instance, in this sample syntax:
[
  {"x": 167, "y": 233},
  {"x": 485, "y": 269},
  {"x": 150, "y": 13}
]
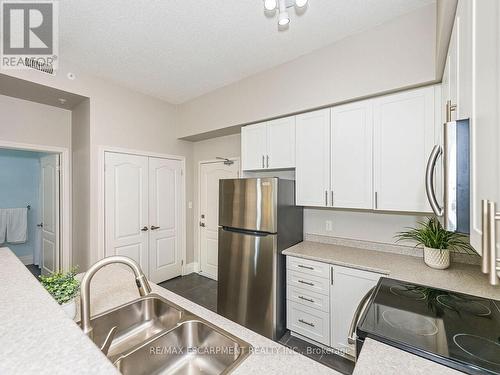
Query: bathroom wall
[{"x": 19, "y": 186}]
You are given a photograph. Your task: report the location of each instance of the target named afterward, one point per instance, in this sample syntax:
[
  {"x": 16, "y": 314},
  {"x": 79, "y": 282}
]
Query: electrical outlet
[{"x": 329, "y": 225}]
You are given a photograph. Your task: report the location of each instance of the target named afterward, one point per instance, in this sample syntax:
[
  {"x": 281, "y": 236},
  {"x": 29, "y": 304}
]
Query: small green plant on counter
[
  {"x": 431, "y": 234},
  {"x": 62, "y": 286}
]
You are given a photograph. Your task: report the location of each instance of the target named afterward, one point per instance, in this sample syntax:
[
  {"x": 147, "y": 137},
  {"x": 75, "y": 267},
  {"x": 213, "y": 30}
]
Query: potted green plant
[
  {"x": 436, "y": 241},
  {"x": 64, "y": 287}
]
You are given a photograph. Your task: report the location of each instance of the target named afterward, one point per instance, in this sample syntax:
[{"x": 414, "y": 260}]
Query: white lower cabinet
[
  {"x": 348, "y": 289},
  {"x": 323, "y": 311}
]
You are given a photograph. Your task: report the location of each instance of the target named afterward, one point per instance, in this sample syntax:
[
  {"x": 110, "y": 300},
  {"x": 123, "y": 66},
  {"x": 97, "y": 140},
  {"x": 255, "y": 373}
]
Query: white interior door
[
  {"x": 210, "y": 174},
  {"x": 126, "y": 207},
  {"x": 50, "y": 213},
  {"x": 165, "y": 219}
]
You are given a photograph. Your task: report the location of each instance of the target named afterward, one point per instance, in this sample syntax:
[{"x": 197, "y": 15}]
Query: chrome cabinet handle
[
  {"x": 306, "y": 267},
  {"x": 305, "y": 282},
  {"x": 267, "y": 160},
  {"x": 351, "y": 336},
  {"x": 376, "y": 199},
  {"x": 144, "y": 229},
  {"x": 332, "y": 197},
  {"x": 154, "y": 227},
  {"x": 326, "y": 197},
  {"x": 493, "y": 217},
  {"x": 485, "y": 266},
  {"x": 263, "y": 166},
  {"x": 306, "y": 299},
  {"x": 437, "y": 151},
  {"x": 307, "y": 323}
]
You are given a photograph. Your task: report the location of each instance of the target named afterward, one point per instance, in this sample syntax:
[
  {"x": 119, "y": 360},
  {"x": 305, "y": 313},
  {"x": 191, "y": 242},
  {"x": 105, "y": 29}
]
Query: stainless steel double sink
[{"x": 155, "y": 336}]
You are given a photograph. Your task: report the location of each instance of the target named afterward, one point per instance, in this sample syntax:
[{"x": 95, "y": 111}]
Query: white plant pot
[
  {"x": 70, "y": 308},
  {"x": 436, "y": 258}
]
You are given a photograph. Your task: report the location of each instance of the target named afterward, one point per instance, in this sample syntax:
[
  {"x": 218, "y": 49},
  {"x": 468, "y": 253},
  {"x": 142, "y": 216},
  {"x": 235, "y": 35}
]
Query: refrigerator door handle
[{"x": 437, "y": 151}]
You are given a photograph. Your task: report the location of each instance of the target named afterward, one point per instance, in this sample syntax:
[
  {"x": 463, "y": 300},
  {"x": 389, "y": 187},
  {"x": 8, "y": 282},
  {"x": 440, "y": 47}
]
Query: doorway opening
[
  {"x": 210, "y": 173},
  {"x": 30, "y": 204}
]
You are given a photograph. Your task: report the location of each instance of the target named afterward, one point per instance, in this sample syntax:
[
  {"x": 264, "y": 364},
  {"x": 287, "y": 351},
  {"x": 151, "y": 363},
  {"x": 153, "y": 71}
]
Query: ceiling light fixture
[
  {"x": 270, "y": 5},
  {"x": 283, "y": 5}
]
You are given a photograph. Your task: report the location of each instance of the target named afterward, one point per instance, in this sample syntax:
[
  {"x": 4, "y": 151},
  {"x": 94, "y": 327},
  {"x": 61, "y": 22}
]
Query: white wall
[
  {"x": 394, "y": 55},
  {"x": 28, "y": 122},
  {"x": 123, "y": 118},
  {"x": 80, "y": 143},
  {"x": 358, "y": 225},
  {"x": 228, "y": 146}
]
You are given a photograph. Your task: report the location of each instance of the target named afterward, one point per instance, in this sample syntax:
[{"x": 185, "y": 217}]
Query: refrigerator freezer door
[
  {"x": 249, "y": 204},
  {"x": 248, "y": 292}
]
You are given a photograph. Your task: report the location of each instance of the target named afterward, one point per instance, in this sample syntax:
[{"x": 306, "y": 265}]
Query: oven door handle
[{"x": 351, "y": 338}]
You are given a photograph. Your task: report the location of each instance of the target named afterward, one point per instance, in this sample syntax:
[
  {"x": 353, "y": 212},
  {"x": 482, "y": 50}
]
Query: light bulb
[
  {"x": 301, "y": 3},
  {"x": 270, "y": 4},
  {"x": 283, "y": 19}
]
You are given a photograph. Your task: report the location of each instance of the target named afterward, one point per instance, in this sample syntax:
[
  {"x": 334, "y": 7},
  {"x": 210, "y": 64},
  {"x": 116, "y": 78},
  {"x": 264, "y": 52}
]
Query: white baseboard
[
  {"x": 191, "y": 268},
  {"x": 26, "y": 259}
]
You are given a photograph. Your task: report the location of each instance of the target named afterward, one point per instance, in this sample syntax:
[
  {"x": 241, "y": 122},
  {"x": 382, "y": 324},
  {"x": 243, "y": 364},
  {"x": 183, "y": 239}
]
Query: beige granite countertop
[
  {"x": 459, "y": 277},
  {"x": 36, "y": 337},
  {"x": 378, "y": 358}
]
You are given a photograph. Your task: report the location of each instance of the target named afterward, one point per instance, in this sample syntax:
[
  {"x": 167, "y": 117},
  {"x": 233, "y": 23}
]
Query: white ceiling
[{"x": 179, "y": 49}]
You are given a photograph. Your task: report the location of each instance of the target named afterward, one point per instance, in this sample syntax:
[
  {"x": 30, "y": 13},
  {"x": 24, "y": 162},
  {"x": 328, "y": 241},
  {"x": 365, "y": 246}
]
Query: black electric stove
[{"x": 457, "y": 330}]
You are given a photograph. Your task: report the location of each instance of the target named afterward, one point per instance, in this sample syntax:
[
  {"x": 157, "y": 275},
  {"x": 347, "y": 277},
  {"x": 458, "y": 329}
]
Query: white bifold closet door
[
  {"x": 143, "y": 212},
  {"x": 164, "y": 218}
]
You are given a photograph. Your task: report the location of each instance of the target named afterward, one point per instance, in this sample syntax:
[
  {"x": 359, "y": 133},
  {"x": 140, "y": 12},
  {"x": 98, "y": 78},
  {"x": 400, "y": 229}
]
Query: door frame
[
  {"x": 101, "y": 232},
  {"x": 197, "y": 263},
  {"x": 65, "y": 199}
]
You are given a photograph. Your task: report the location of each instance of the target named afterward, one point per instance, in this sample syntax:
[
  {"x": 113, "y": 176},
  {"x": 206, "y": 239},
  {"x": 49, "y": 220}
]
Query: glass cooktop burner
[
  {"x": 455, "y": 329},
  {"x": 462, "y": 305},
  {"x": 410, "y": 323},
  {"x": 407, "y": 291},
  {"x": 479, "y": 347}
]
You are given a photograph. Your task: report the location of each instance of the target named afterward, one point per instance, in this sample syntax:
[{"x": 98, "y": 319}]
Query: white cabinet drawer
[
  {"x": 308, "y": 298},
  {"x": 308, "y": 282},
  {"x": 308, "y": 322},
  {"x": 309, "y": 267}
]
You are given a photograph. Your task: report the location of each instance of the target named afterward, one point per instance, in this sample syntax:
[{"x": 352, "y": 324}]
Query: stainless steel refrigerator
[{"x": 258, "y": 219}]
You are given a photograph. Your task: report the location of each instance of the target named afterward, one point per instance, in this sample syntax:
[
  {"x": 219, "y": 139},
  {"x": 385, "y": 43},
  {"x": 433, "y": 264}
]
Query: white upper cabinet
[
  {"x": 312, "y": 172},
  {"x": 403, "y": 139},
  {"x": 485, "y": 118},
  {"x": 351, "y": 155},
  {"x": 254, "y": 146},
  {"x": 269, "y": 145},
  {"x": 281, "y": 143}
]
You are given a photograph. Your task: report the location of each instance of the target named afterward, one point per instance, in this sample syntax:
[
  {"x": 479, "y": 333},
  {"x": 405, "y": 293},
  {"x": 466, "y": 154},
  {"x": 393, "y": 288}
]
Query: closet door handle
[
  {"x": 154, "y": 227},
  {"x": 267, "y": 161},
  {"x": 144, "y": 229}
]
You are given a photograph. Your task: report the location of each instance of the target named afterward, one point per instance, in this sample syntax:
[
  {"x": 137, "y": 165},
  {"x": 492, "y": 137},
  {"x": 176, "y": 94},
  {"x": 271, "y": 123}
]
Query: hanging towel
[
  {"x": 3, "y": 225},
  {"x": 17, "y": 225}
]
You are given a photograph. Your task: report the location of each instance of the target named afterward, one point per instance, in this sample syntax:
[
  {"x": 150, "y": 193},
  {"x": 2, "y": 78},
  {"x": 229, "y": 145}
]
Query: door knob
[
  {"x": 202, "y": 224},
  {"x": 144, "y": 229},
  {"x": 154, "y": 227}
]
